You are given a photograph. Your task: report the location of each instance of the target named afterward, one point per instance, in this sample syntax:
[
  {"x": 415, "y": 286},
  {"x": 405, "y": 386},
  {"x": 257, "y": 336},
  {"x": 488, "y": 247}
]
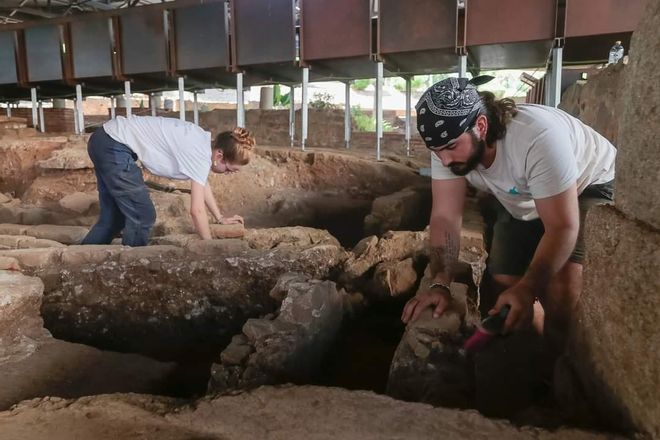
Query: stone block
[
  {"x": 8, "y": 263},
  {"x": 288, "y": 236},
  {"x": 393, "y": 278},
  {"x": 63, "y": 234},
  {"x": 10, "y": 214},
  {"x": 90, "y": 253},
  {"x": 227, "y": 231},
  {"x": 39, "y": 243},
  {"x": 13, "y": 229},
  {"x": 638, "y": 162},
  {"x": 216, "y": 247},
  {"x": 38, "y": 258},
  {"x": 614, "y": 338},
  {"x": 149, "y": 253},
  {"x": 20, "y": 303},
  {"x": 79, "y": 202}
]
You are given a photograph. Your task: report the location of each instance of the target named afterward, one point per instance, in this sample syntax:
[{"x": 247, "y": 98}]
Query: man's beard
[{"x": 478, "y": 150}]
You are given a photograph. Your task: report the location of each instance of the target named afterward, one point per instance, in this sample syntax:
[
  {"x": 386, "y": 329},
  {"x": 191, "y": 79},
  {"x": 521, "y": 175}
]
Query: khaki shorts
[{"x": 511, "y": 243}]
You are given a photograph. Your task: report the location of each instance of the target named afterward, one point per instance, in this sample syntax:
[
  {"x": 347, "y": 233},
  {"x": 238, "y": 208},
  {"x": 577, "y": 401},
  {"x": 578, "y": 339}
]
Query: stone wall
[
  {"x": 598, "y": 101},
  {"x": 57, "y": 120},
  {"x": 613, "y": 352}
]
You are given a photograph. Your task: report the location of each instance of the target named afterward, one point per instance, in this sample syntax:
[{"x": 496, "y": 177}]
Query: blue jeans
[{"x": 124, "y": 198}]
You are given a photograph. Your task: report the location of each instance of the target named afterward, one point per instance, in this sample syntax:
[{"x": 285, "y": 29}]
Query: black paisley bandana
[{"x": 448, "y": 109}]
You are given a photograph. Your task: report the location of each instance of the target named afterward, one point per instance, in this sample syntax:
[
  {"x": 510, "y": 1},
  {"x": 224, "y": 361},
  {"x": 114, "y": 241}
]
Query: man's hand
[
  {"x": 234, "y": 219},
  {"x": 438, "y": 298},
  {"x": 521, "y": 299}
]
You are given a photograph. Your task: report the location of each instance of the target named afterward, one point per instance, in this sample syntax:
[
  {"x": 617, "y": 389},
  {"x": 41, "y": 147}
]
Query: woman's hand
[{"x": 234, "y": 219}]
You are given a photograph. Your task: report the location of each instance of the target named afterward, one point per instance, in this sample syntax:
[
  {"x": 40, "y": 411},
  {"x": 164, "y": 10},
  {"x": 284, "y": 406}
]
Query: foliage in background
[
  {"x": 322, "y": 101},
  {"x": 280, "y": 100},
  {"x": 361, "y": 84},
  {"x": 364, "y": 122}
]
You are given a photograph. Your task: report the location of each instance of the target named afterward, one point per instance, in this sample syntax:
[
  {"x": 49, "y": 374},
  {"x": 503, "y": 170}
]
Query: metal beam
[
  {"x": 42, "y": 123},
  {"x": 127, "y": 98},
  {"x": 195, "y": 109},
  {"x": 33, "y": 95},
  {"x": 292, "y": 115},
  {"x": 182, "y": 100},
  {"x": 379, "y": 107},
  {"x": 305, "y": 108},
  {"x": 408, "y": 112},
  {"x": 79, "y": 100},
  {"x": 347, "y": 115},
  {"x": 240, "y": 104},
  {"x": 112, "y": 107}
]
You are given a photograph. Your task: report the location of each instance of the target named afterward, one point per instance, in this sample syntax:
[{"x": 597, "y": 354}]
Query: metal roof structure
[{"x": 19, "y": 11}]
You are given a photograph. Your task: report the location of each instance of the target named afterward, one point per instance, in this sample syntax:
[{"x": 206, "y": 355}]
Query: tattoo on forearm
[{"x": 444, "y": 258}]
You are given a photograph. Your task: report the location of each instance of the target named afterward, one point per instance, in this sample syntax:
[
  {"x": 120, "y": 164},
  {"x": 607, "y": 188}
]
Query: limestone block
[
  {"x": 58, "y": 368},
  {"x": 394, "y": 278},
  {"x": 287, "y": 348},
  {"x": 638, "y": 162},
  {"x": 10, "y": 214},
  {"x": 67, "y": 159},
  {"x": 76, "y": 255},
  {"x": 4, "y": 198},
  {"x": 392, "y": 246},
  {"x": 35, "y": 216},
  {"x": 429, "y": 364},
  {"x": 288, "y": 236},
  {"x": 615, "y": 334},
  {"x": 598, "y": 102},
  {"x": 12, "y": 241},
  {"x": 13, "y": 229},
  {"x": 215, "y": 247},
  {"x": 282, "y": 412},
  {"x": 171, "y": 305},
  {"x": 20, "y": 302},
  {"x": 79, "y": 202},
  {"x": 149, "y": 253},
  {"x": 39, "y": 243},
  {"x": 63, "y": 234},
  {"x": 180, "y": 240},
  {"x": 227, "y": 231},
  {"x": 8, "y": 263},
  {"x": 408, "y": 209},
  {"x": 35, "y": 258}
]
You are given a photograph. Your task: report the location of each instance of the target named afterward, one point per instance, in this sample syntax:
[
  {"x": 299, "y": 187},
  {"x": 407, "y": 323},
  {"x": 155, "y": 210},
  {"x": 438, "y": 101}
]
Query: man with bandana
[{"x": 544, "y": 168}]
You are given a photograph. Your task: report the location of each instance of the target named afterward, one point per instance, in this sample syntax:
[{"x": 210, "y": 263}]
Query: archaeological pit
[{"x": 289, "y": 327}]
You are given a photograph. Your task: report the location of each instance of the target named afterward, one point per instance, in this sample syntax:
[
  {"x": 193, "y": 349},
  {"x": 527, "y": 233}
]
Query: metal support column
[
  {"x": 462, "y": 66},
  {"x": 8, "y": 109},
  {"x": 240, "y": 104},
  {"x": 182, "y": 100},
  {"x": 33, "y": 94},
  {"x": 76, "y": 127},
  {"x": 127, "y": 98},
  {"x": 408, "y": 112},
  {"x": 42, "y": 124},
  {"x": 195, "y": 109},
  {"x": 554, "y": 86},
  {"x": 152, "y": 104},
  {"x": 292, "y": 115},
  {"x": 112, "y": 107},
  {"x": 305, "y": 121},
  {"x": 347, "y": 115},
  {"x": 79, "y": 114},
  {"x": 379, "y": 107}
]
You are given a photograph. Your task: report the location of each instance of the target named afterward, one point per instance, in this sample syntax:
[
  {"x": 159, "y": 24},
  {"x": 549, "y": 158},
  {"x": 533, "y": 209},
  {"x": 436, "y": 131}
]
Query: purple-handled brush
[{"x": 489, "y": 328}]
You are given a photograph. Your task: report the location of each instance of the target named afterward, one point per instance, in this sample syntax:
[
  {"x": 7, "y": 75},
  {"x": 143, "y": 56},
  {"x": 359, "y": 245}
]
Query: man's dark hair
[{"x": 499, "y": 113}]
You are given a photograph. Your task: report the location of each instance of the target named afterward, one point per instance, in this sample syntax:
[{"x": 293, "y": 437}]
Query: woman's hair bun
[{"x": 243, "y": 137}]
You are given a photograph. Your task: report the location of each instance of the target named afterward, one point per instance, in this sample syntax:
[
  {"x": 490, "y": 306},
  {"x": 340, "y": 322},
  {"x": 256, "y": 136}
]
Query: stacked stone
[{"x": 613, "y": 353}]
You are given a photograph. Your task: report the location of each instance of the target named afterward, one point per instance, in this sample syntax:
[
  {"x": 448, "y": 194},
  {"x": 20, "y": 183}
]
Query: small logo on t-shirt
[{"x": 514, "y": 191}]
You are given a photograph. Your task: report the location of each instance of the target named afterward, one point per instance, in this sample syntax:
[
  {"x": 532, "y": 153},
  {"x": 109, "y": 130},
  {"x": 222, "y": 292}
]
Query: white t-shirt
[
  {"x": 545, "y": 150},
  {"x": 167, "y": 147}
]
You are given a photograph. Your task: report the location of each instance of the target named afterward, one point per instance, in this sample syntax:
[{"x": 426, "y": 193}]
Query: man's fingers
[
  {"x": 440, "y": 308},
  {"x": 419, "y": 308},
  {"x": 407, "y": 310},
  {"x": 512, "y": 320}
]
